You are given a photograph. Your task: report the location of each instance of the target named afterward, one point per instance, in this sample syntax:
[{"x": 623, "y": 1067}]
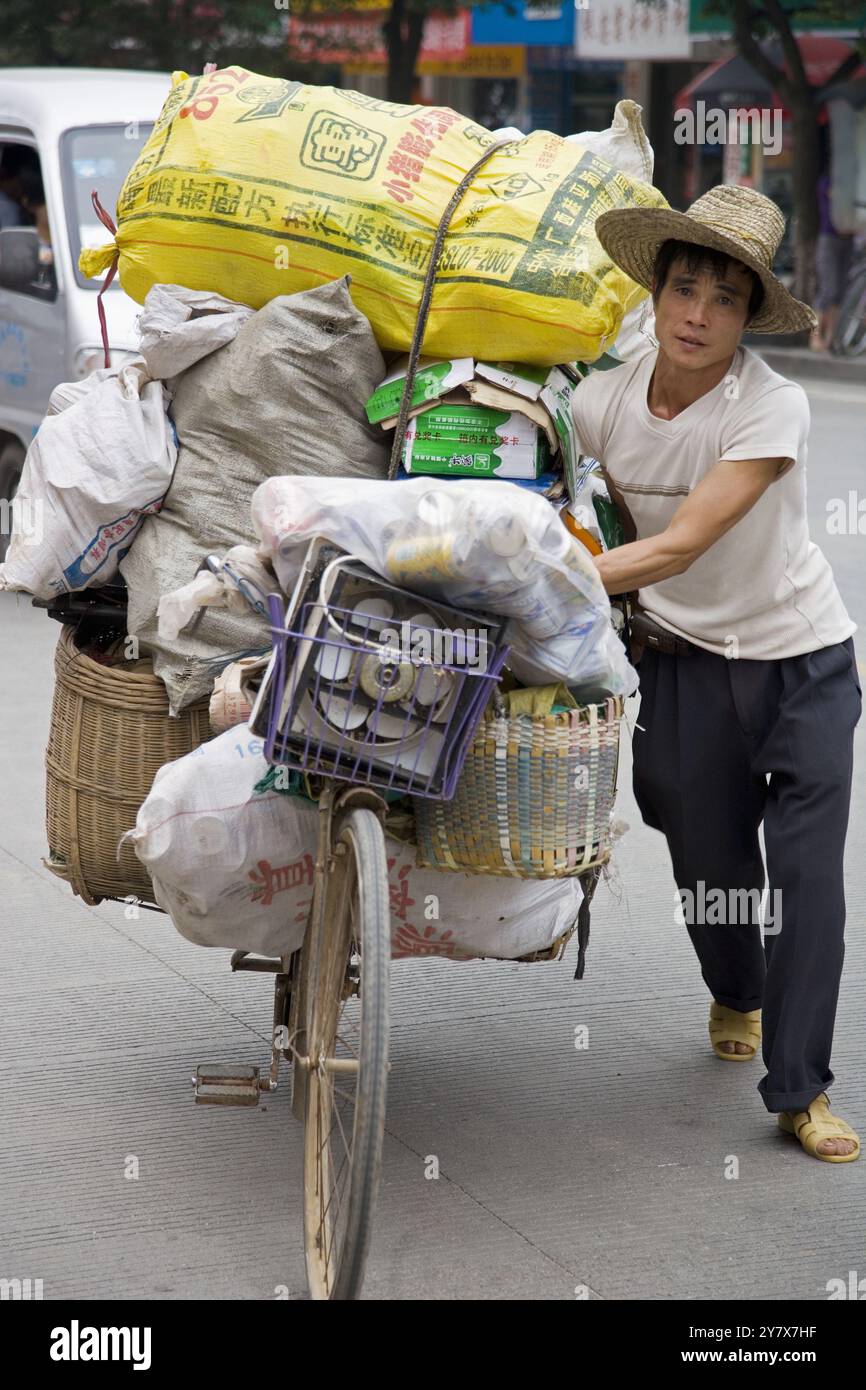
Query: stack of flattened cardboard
[{"x": 471, "y": 419}]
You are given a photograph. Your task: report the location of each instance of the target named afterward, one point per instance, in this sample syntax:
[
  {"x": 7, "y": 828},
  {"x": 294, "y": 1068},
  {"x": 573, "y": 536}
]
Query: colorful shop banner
[{"x": 340, "y": 38}]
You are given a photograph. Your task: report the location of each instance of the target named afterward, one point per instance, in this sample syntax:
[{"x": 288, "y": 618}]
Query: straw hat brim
[{"x": 632, "y": 237}]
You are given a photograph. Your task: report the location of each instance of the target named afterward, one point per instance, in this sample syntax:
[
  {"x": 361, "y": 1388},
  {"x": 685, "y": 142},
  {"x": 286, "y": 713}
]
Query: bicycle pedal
[{"x": 232, "y": 1086}]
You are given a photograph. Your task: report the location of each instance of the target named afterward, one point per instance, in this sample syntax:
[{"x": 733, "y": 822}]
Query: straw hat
[{"x": 739, "y": 222}]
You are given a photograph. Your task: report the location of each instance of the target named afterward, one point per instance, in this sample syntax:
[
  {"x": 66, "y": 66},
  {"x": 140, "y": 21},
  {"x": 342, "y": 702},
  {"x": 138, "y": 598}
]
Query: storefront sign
[
  {"x": 630, "y": 29},
  {"x": 342, "y": 38},
  {"x": 491, "y": 60}
]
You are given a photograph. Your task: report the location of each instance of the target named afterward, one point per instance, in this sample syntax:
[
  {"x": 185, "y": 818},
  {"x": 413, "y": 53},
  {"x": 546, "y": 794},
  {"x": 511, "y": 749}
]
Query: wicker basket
[
  {"x": 110, "y": 734},
  {"x": 534, "y": 798}
]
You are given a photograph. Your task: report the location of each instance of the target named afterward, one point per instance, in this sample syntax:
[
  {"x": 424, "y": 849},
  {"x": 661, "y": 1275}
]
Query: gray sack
[{"x": 286, "y": 396}]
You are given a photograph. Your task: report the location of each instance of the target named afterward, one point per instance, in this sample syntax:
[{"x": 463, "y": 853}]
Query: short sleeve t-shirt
[{"x": 763, "y": 583}]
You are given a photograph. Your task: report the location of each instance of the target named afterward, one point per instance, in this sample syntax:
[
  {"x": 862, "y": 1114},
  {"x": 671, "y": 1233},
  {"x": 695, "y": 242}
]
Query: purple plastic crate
[{"x": 360, "y": 711}]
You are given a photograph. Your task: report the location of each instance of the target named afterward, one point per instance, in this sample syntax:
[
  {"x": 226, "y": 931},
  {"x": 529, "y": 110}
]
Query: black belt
[{"x": 646, "y": 632}]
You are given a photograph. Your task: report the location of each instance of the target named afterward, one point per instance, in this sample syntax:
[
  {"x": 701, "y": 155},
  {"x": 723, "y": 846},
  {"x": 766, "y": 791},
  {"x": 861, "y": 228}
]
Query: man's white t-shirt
[{"x": 764, "y": 582}]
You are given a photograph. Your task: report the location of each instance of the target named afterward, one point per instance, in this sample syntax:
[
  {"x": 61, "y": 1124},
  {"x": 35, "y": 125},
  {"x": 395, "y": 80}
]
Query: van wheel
[{"x": 11, "y": 464}]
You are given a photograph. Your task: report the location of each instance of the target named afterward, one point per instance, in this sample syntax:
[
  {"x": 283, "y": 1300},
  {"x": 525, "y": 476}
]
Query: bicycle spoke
[
  {"x": 336, "y": 1115},
  {"x": 335, "y": 1192},
  {"x": 346, "y": 1145},
  {"x": 331, "y": 1129},
  {"x": 356, "y": 1053},
  {"x": 330, "y": 1226}
]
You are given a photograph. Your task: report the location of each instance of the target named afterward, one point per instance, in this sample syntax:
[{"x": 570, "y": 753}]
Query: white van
[{"x": 63, "y": 133}]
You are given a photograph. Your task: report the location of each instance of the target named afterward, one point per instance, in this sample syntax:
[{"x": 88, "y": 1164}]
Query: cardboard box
[
  {"x": 463, "y": 440},
  {"x": 434, "y": 378},
  {"x": 524, "y": 402},
  {"x": 485, "y": 393}
]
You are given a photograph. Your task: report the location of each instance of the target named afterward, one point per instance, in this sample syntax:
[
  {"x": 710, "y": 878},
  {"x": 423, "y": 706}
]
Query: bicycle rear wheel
[
  {"x": 347, "y": 1042},
  {"x": 849, "y": 339}
]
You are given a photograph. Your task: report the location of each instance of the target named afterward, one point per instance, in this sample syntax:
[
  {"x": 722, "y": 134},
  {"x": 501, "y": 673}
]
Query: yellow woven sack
[{"x": 255, "y": 187}]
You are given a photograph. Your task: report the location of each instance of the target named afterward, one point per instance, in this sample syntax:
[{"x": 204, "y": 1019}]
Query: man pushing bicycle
[{"x": 749, "y": 687}]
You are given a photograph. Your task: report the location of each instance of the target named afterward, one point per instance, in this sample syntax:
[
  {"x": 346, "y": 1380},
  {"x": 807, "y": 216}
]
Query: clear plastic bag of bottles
[{"x": 485, "y": 545}]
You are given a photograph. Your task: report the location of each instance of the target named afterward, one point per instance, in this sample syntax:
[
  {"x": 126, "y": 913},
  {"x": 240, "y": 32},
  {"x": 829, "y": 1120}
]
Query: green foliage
[
  {"x": 154, "y": 34},
  {"x": 169, "y": 34},
  {"x": 767, "y": 18}
]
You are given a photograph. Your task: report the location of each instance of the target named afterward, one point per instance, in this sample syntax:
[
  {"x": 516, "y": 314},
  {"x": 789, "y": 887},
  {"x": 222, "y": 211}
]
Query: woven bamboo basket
[
  {"x": 110, "y": 734},
  {"x": 534, "y": 798}
]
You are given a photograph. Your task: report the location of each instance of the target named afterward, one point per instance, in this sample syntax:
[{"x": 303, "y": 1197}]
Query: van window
[
  {"x": 96, "y": 157},
  {"x": 22, "y": 204}
]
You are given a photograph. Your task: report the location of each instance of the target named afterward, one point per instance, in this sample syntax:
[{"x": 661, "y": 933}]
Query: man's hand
[{"x": 720, "y": 500}]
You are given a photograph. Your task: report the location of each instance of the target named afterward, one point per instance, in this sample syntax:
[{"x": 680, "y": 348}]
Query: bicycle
[
  {"x": 849, "y": 335},
  {"x": 331, "y": 996},
  {"x": 335, "y": 994}
]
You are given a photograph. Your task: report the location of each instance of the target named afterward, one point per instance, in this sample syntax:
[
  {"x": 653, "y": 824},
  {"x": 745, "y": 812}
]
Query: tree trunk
[
  {"x": 404, "y": 31},
  {"x": 804, "y": 120},
  {"x": 792, "y": 85}
]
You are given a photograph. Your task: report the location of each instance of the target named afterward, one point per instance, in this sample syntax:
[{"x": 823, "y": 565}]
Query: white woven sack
[
  {"x": 101, "y": 462},
  {"x": 235, "y": 870}
]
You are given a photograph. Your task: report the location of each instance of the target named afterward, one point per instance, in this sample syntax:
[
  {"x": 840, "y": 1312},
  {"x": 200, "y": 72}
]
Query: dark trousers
[{"x": 724, "y": 745}]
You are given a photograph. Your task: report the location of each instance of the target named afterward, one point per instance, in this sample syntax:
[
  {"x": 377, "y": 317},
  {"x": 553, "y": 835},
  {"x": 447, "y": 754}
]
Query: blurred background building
[
  {"x": 558, "y": 65},
  {"x": 562, "y": 66}
]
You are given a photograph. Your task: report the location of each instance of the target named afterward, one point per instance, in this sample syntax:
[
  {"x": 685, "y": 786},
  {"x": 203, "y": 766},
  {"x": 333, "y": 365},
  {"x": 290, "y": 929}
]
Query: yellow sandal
[
  {"x": 726, "y": 1025},
  {"x": 817, "y": 1123}
]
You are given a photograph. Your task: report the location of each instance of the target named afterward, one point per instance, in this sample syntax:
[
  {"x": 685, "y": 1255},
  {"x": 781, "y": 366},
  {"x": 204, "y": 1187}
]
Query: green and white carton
[
  {"x": 434, "y": 378},
  {"x": 474, "y": 441},
  {"x": 448, "y": 436}
]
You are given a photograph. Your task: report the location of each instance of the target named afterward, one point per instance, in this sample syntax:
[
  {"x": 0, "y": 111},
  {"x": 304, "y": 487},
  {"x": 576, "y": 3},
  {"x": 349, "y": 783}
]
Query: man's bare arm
[{"x": 721, "y": 499}]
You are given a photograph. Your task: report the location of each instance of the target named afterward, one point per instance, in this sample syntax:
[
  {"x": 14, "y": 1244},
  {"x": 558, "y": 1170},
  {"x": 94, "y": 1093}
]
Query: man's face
[{"x": 699, "y": 316}]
